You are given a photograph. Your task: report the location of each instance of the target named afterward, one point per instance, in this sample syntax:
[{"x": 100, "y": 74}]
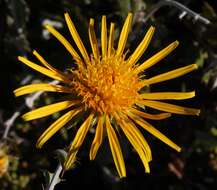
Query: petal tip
[
  {"x": 39, "y": 145},
  {"x": 193, "y": 93},
  {"x": 66, "y": 14},
  {"x": 103, "y": 16},
  {"x": 167, "y": 115},
  {"x": 24, "y": 117},
  {"x": 46, "y": 25},
  {"x": 16, "y": 94},
  {"x": 195, "y": 66},
  {"x": 198, "y": 112},
  {"x": 123, "y": 176},
  {"x": 147, "y": 171},
  {"x": 91, "y": 22},
  {"x": 130, "y": 14},
  {"x": 20, "y": 58},
  {"x": 92, "y": 157},
  {"x": 176, "y": 43},
  {"x": 69, "y": 164},
  {"x": 152, "y": 28}
]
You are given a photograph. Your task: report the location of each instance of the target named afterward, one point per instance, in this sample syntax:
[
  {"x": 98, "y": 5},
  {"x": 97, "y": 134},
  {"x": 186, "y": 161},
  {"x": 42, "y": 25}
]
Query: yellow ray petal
[
  {"x": 48, "y": 110},
  {"x": 45, "y": 63},
  {"x": 81, "y": 134},
  {"x": 41, "y": 87},
  {"x": 97, "y": 139},
  {"x": 168, "y": 95},
  {"x": 136, "y": 146},
  {"x": 77, "y": 142},
  {"x": 136, "y": 134},
  {"x": 162, "y": 106},
  {"x": 150, "y": 116},
  {"x": 169, "y": 75},
  {"x": 111, "y": 39},
  {"x": 115, "y": 149},
  {"x": 42, "y": 70},
  {"x": 65, "y": 43},
  {"x": 141, "y": 47},
  {"x": 156, "y": 58},
  {"x": 56, "y": 126},
  {"x": 124, "y": 34},
  {"x": 76, "y": 37},
  {"x": 93, "y": 39},
  {"x": 154, "y": 132},
  {"x": 104, "y": 36}
]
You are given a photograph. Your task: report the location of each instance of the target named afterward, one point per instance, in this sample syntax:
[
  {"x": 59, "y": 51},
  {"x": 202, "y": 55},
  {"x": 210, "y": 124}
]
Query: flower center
[{"x": 107, "y": 85}]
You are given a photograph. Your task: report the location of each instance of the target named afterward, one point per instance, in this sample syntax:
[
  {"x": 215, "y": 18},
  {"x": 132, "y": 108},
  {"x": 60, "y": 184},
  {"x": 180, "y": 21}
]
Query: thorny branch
[
  {"x": 9, "y": 123},
  {"x": 184, "y": 9},
  {"x": 55, "y": 178}
]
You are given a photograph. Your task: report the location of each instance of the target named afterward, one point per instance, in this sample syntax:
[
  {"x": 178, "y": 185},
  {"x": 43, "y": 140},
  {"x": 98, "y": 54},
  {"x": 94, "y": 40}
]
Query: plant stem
[
  {"x": 178, "y": 5},
  {"x": 55, "y": 178}
]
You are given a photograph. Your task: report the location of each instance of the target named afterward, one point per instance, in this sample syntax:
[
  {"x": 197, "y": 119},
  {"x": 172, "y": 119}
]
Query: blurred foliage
[{"x": 21, "y": 31}]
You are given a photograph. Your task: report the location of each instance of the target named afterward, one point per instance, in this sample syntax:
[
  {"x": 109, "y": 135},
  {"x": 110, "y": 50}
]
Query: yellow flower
[
  {"x": 108, "y": 91},
  {"x": 4, "y": 162}
]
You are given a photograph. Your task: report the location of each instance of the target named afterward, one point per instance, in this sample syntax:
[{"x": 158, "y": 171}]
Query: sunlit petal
[
  {"x": 169, "y": 75},
  {"x": 67, "y": 45},
  {"x": 115, "y": 149},
  {"x": 97, "y": 139},
  {"x": 136, "y": 146},
  {"x": 124, "y": 34},
  {"x": 76, "y": 37},
  {"x": 104, "y": 37},
  {"x": 157, "y": 57},
  {"x": 154, "y": 132},
  {"x": 77, "y": 141},
  {"x": 150, "y": 116},
  {"x": 50, "y": 109},
  {"x": 93, "y": 39},
  {"x": 44, "y": 62},
  {"x": 142, "y": 47},
  {"x": 167, "y": 95},
  {"x": 28, "y": 89},
  {"x": 129, "y": 127},
  {"x": 42, "y": 70},
  {"x": 111, "y": 39},
  {"x": 56, "y": 126},
  {"x": 162, "y": 106}
]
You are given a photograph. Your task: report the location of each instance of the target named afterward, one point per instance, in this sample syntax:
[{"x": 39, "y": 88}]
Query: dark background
[{"x": 21, "y": 31}]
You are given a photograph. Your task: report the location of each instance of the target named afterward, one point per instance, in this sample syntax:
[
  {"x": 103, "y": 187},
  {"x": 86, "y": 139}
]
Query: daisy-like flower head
[{"x": 107, "y": 89}]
